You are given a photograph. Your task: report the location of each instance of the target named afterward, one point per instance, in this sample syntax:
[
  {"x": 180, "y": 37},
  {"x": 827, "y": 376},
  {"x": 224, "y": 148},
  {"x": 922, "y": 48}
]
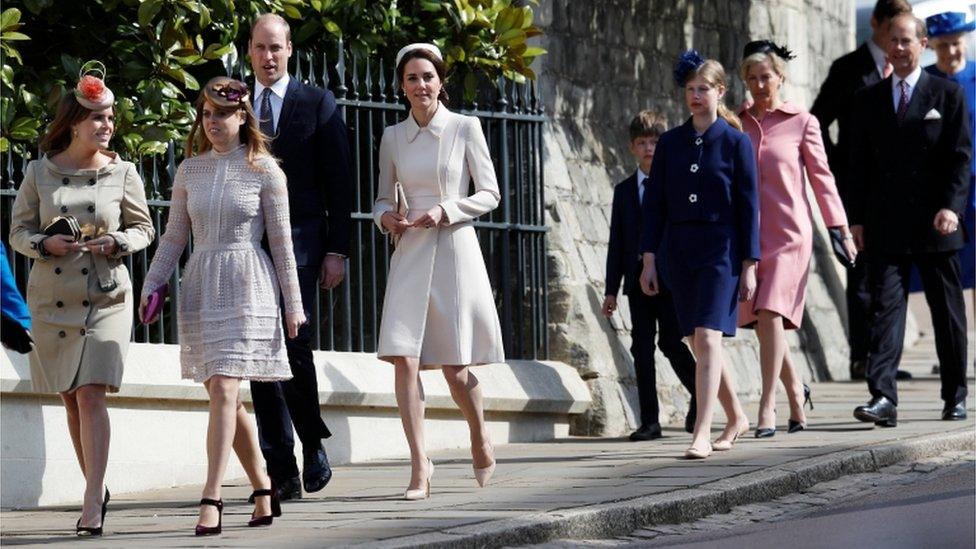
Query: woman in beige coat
[
  {"x": 438, "y": 311},
  {"x": 79, "y": 292}
]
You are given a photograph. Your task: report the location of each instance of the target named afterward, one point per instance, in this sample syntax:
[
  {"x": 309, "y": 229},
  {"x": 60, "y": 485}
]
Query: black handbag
[
  {"x": 837, "y": 243},
  {"x": 66, "y": 225},
  {"x": 14, "y": 336}
]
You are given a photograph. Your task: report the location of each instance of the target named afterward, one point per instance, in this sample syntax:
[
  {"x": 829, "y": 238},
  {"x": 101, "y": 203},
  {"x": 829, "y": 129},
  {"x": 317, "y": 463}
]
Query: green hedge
[{"x": 158, "y": 51}]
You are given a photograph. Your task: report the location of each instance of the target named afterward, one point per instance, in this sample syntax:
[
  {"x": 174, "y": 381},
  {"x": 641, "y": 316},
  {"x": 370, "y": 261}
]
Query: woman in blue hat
[{"x": 701, "y": 218}]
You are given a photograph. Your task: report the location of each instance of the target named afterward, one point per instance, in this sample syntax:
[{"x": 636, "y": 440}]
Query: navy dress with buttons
[{"x": 701, "y": 217}]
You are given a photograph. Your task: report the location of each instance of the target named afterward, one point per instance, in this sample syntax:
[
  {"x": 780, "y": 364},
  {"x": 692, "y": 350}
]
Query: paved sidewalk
[{"x": 565, "y": 489}]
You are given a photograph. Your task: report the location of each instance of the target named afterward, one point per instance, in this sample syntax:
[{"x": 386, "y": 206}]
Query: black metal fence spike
[{"x": 341, "y": 89}]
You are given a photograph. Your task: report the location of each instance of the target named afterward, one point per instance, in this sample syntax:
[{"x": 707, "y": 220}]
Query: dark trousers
[
  {"x": 889, "y": 278},
  {"x": 858, "y": 308},
  {"x": 650, "y": 316},
  {"x": 280, "y": 404}
]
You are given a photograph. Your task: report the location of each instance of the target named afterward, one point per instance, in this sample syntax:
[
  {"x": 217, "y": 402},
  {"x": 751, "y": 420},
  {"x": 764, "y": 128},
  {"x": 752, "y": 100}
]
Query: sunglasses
[{"x": 230, "y": 92}]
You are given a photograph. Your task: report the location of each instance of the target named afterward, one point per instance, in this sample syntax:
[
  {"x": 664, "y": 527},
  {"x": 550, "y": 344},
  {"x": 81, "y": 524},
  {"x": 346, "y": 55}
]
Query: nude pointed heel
[
  {"x": 483, "y": 475},
  {"x": 421, "y": 493}
]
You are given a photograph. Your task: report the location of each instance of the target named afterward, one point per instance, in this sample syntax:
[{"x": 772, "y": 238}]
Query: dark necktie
[
  {"x": 267, "y": 115},
  {"x": 903, "y": 102}
]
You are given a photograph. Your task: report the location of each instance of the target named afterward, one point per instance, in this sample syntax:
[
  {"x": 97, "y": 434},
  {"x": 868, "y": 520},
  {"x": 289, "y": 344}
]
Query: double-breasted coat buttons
[
  {"x": 65, "y": 181},
  {"x": 60, "y": 304},
  {"x": 64, "y": 209},
  {"x": 694, "y": 168},
  {"x": 91, "y": 208},
  {"x": 82, "y": 331},
  {"x": 91, "y": 181},
  {"x": 57, "y": 270},
  {"x": 84, "y": 271},
  {"x": 692, "y": 198},
  {"x": 85, "y": 303},
  {"x": 62, "y": 334}
]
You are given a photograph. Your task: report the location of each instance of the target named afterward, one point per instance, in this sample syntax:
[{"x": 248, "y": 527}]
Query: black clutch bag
[
  {"x": 66, "y": 225},
  {"x": 837, "y": 243},
  {"x": 14, "y": 336}
]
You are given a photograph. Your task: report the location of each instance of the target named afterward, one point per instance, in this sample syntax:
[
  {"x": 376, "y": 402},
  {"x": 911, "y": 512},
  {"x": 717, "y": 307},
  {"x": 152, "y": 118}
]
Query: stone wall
[{"x": 606, "y": 61}]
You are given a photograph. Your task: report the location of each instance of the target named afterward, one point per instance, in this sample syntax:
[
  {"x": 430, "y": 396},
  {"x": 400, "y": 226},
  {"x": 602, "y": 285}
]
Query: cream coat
[
  {"x": 439, "y": 304},
  {"x": 81, "y": 304}
]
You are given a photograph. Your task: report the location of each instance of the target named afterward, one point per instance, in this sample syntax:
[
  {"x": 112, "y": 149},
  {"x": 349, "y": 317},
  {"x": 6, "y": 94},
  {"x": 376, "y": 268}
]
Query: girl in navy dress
[{"x": 701, "y": 232}]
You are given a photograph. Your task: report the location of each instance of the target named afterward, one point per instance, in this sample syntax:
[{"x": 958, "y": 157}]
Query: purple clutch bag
[{"x": 155, "y": 304}]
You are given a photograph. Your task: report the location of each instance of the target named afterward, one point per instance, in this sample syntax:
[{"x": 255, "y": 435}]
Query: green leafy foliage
[{"x": 158, "y": 52}]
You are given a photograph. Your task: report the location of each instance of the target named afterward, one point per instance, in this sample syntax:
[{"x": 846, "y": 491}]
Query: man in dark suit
[
  {"x": 310, "y": 138},
  {"x": 647, "y": 313},
  {"x": 910, "y": 168},
  {"x": 864, "y": 66}
]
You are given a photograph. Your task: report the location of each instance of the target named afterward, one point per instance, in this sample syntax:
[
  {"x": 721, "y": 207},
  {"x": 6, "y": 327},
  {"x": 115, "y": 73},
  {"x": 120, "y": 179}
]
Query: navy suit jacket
[
  {"x": 905, "y": 173},
  {"x": 714, "y": 182},
  {"x": 623, "y": 248},
  {"x": 313, "y": 145},
  {"x": 834, "y": 102}
]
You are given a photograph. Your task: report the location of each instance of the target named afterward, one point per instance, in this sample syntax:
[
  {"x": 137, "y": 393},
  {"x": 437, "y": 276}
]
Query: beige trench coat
[
  {"x": 80, "y": 304},
  {"x": 439, "y": 304}
]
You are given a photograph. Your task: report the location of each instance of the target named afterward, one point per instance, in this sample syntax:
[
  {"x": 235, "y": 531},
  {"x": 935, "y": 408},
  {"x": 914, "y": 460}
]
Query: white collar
[
  {"x": 878, "y": 54},
  {"x": 278, "y": 88},
  {"x": 641, "y": 176},
  {"x": 912, "y": 78}
]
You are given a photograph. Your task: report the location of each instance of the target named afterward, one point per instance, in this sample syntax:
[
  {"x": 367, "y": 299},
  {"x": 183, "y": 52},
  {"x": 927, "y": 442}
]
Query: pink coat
[{"x": 786, "y": 142}]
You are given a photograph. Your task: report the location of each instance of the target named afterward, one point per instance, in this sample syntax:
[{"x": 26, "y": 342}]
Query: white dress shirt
[
  {"x": 277, "y": 99},
  {"x": 879, "y": 56},
  {"x": 911, "y": 80}
]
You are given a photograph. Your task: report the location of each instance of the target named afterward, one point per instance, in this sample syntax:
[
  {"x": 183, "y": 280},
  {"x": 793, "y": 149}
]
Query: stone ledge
[
  {"x": 346, "y": 380},
  {"x": 159, "y": 421}
]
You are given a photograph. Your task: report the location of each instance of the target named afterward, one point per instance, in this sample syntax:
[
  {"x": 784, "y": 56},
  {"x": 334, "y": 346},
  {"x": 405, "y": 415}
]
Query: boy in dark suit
[{"x": 647, "y": 314}]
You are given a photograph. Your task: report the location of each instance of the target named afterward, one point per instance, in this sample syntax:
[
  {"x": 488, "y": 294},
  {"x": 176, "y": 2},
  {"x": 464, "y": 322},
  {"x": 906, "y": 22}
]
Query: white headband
[{"x": 417, "y": 46}]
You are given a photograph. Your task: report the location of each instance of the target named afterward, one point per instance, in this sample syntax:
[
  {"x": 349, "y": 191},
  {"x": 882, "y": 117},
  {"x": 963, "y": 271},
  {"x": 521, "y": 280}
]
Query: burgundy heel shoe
[
  {"x": 275, "y": 507},
  {"x": 211, "y": 530}
]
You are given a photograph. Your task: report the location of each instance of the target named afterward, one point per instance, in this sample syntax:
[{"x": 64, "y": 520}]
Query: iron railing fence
[{"x": 513, "y": 237}]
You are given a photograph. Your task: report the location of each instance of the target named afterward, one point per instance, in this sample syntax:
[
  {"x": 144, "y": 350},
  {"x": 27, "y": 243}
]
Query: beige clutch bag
[{"x": 400, "y": 201}]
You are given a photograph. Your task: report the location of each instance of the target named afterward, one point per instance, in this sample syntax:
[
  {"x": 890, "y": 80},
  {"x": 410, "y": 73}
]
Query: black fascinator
[
  {"x": 767, "y": 46},
  {"x": 688, "y": 62}
]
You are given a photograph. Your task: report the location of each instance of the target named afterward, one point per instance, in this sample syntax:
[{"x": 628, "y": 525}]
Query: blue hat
[
  {"x": 950, "y": 22},
  {"x": 688, "y": 62}
]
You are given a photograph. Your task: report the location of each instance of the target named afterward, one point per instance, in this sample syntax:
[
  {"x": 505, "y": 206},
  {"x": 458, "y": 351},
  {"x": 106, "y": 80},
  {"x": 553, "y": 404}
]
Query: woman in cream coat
[
  {"x": 438, "y": 311},
  {"x": 79, "y": 293}
]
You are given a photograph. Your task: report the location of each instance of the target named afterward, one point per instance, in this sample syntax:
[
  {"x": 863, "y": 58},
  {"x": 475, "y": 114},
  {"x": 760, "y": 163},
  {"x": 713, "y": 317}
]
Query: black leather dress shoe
[
  {"x": 691, "y": 417},
  {"x": 902, "y": 375},
  {"x": 289, "y": 489},
  {"x": 879, "y": 410},
  {"x": 954, "y": 413},
  {"x": 857, "y": 369},
  {"x": 316, "y": 472},
  {"x": 647, "y": 432}
]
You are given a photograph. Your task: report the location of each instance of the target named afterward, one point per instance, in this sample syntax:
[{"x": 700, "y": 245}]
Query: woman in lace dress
[
  {"x": 227, "y": 192},
  {"x": 438, "y": 311}
]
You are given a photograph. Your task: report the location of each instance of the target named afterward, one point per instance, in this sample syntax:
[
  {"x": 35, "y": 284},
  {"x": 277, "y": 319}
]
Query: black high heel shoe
[
  {"x": 275, "y": 507},
  {"x": 86, "y": 531},
  {"x": 765, "y": 432},
  {"x": 211, "y": 530},
  {"x": 795, "y": 426}
]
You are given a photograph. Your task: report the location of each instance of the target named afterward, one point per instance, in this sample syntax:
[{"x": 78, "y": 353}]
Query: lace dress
[{"x": 228, "y": 308}]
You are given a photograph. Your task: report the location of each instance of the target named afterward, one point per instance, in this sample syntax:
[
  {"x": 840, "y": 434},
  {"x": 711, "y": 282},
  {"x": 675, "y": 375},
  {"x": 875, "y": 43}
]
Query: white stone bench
[{"x": 159, "y": 420}]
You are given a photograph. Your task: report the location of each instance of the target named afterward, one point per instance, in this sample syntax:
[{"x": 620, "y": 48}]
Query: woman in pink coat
[{"x": 787, "y": 142}]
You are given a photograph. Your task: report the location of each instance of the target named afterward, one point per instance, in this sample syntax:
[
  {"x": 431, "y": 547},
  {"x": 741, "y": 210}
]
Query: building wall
[{"x": 606, "y": 61}]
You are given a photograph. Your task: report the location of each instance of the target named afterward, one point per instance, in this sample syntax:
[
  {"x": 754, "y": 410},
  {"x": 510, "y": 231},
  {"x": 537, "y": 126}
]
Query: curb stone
[{"x": 614, "y": 519}]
